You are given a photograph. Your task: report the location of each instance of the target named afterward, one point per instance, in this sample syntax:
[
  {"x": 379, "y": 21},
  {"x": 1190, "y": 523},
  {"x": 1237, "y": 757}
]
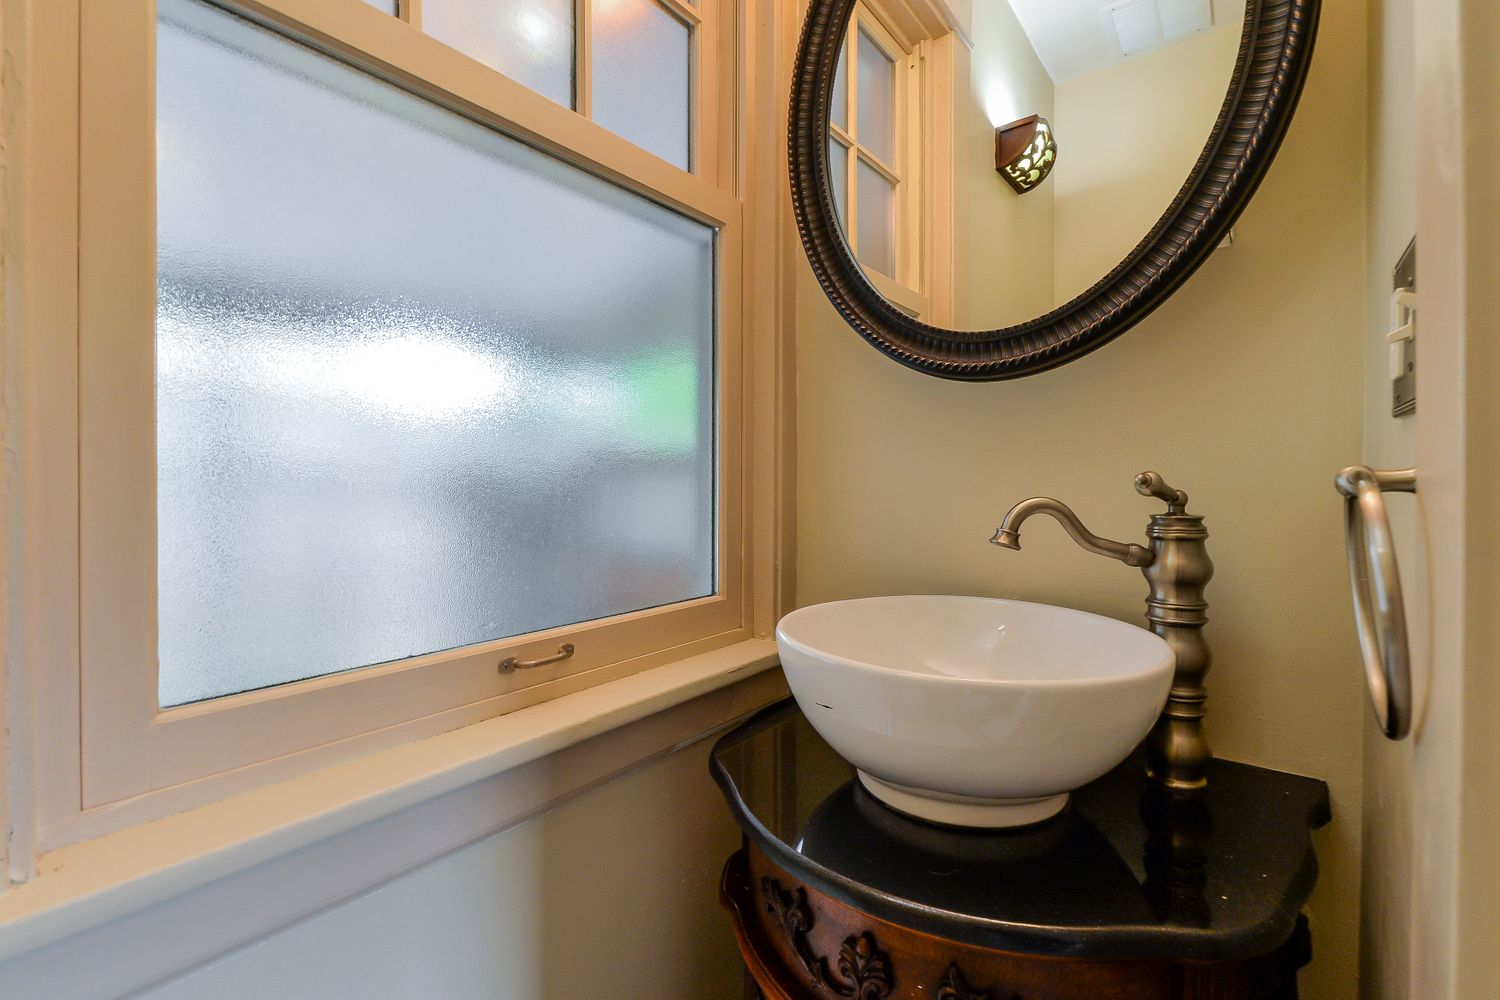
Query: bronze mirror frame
[{"x": 1270, "y": 70}]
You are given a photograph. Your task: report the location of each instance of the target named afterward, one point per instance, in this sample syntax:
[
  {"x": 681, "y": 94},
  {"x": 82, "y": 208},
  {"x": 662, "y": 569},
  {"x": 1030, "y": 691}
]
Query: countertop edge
[{"x": 1120, "y": 942}]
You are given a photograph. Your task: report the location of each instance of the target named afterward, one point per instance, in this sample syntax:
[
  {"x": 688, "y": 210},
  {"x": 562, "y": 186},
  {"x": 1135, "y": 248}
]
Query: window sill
[{"x": 472, "y": 782}]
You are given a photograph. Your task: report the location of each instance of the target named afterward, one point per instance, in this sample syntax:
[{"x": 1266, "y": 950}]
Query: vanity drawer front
[
  {"x": 800, "y": 944},
  {"x": 795, "y": 938}
]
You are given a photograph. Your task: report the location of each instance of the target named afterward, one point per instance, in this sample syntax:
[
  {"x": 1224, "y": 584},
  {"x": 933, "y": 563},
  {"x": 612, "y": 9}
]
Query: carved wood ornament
[
  {"x": 955, "y": 987},
  {"x": 864, "y": 970},
  {"x": 795, "y": 920}
]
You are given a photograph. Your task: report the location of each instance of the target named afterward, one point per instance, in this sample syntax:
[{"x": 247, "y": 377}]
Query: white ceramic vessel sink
[{"x": 972, "y": 711}]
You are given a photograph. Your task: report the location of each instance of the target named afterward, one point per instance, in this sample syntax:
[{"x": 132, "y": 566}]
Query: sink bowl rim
[{"x": 1166, "y": 662}]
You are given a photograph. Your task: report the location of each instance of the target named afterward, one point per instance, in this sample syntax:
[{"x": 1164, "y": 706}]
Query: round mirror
[{"x": 987, "y": 189}]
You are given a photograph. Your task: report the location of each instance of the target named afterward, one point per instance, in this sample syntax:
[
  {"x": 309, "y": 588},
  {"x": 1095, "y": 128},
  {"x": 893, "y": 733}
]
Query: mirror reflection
[{"x": 988, "y": 174}]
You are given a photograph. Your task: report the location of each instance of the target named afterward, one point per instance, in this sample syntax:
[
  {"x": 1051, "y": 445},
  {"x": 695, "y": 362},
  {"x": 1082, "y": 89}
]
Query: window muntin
[{"x": 358, "y": 462}]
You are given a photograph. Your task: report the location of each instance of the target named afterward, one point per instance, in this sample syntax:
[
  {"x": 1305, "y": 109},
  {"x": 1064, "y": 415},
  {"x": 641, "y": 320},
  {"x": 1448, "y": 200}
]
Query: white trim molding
[{"x": 120, "y": 913}]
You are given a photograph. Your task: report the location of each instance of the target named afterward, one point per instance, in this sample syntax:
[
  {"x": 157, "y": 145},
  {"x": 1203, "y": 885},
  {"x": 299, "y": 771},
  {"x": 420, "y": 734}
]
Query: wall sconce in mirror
[{"x": 1025, "y": 152}]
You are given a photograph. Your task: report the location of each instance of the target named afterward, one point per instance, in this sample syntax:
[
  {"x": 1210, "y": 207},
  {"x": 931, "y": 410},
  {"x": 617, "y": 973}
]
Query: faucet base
[{"x": 1177, "y": 751}]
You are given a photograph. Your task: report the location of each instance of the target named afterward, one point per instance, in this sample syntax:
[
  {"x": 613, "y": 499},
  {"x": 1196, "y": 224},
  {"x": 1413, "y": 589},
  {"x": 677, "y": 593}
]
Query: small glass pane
[
  {"x": 388, "y": 426},
  {"x": 839, "y": 106},
  {"x": 530, "y": 41},
  {"x": 876, "y": 204},
  {"x": 877, "y": 99},
  {"x": 641, "y": 63},
  {"x": 389, "y": 6},
  {"x": 838, "y": 170}
]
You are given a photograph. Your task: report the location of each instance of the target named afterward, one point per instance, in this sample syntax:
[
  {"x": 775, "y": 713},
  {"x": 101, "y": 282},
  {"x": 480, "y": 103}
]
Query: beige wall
[
  {"x": 1006, "y": 281},
  {"x": 1127, "y": 137},
  {"x": 1245, "y": 390},
  {"x": 1385, "y": 931},
  {"x": 614, "y": 894}
]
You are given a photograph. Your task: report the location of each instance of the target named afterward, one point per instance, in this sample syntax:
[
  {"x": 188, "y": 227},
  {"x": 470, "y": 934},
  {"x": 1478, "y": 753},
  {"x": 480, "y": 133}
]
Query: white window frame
[
  {"x": 106, "y": 755},
  {"x": 920, "y": 36},
  {"x": 916, "y": 35},
  {"x": 903, "y": 170}
]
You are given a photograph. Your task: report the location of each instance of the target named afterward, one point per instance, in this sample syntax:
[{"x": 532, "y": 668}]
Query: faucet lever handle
[{"x": 1151, "y": 484}]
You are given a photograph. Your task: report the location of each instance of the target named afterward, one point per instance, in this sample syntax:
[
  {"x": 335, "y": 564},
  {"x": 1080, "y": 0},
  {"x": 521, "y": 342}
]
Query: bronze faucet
[{"x": 1177, "y": 567}]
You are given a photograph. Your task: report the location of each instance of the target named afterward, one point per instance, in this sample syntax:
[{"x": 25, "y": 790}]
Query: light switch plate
[{"x": 1404, "y": 386}]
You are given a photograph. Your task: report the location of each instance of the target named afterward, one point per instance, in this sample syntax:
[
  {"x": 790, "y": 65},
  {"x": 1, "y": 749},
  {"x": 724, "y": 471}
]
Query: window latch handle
[{"x": 516, "y": 663}]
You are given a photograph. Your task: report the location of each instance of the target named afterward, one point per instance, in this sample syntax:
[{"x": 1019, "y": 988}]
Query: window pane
[
  {"x": 876, "y": 204},
  {"x": 530, "y": 41},
  {"x": 839, "y": 109},
  {"x": 877, "y": 98},
  {"x": 389, "y": 6},
  {"x": 641, "y": 61},
  {"x": 838, "y": 171},
  {"x": 400, "y": 418}
]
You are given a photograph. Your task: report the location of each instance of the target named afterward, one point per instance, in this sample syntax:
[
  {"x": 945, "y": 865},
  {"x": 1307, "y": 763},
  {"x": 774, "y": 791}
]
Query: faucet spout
[{"x": 1009, "y": 533}]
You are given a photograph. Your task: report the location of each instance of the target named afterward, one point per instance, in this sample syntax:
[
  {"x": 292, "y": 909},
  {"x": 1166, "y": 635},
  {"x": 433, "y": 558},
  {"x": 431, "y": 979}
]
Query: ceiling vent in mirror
[
  {"x": 1180, "y": 18},
  {"x": 1137, "y": 26},
  {"x": 1142, "y": 25}
]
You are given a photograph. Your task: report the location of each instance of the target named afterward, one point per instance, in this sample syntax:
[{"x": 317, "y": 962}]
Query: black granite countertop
[{"x": 1127, "y": 870}]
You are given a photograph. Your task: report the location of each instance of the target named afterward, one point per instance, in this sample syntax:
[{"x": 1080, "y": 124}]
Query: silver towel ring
[{"x": 1379, "y": 608}]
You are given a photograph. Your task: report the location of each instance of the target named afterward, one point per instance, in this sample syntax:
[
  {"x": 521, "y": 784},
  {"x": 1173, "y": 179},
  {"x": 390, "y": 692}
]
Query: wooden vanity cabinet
[
  {"x": 1133, "y": 893},
  {"x": 800, "y": 944}
]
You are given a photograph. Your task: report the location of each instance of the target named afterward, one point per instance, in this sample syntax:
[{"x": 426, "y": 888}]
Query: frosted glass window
[
  {"x": 877, "y": 98},
  {"x": 839, "y": 104},
  {"x": 530, "y": 41},
  {"x": 400, "y": 418},
  {"x": 642, "y": 57},
  {"x": 838, "y": 175},
  {"x": 876, "y": 204}
]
